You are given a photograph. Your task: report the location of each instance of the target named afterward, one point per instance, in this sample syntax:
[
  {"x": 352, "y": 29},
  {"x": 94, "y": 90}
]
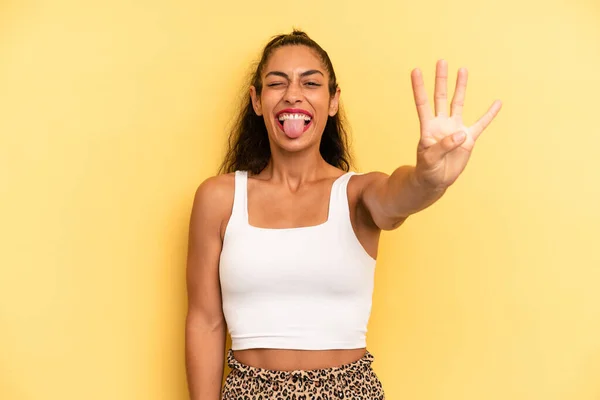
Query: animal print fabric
[{"x": 354, "y": 381}]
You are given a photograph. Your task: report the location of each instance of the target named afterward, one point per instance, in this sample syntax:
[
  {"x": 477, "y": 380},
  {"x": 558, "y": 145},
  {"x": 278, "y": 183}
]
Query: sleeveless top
[{"x": 307, "y": 288}]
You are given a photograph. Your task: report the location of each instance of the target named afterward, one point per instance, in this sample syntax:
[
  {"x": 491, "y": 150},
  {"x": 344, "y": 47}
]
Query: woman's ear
[
  {"x": 334, "y": 103},
  {"x": 255, "y": 101}
]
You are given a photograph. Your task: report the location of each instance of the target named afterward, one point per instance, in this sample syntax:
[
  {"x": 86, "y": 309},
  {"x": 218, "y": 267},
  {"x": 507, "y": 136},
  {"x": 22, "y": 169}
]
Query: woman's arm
[
  {"x": 205, "y": 324},
  {"x": 391, "y": 199}
]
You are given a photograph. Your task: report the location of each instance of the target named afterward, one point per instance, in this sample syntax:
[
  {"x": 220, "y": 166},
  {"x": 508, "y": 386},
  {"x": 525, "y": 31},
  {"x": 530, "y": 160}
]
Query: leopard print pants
[{"x": 354, "y": 381}]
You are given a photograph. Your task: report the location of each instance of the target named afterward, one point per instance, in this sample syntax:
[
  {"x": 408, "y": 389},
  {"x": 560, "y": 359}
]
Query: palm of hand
[{"x": 440, "y": 159}]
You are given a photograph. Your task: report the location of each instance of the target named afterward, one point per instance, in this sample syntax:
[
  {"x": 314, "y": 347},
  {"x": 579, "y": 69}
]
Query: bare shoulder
[
  {"x": 213, "y": 201},
  {"x": 215, "y": 189},
  {"x": 359, "y": 182},
  {"x": 361, "y": 218}
]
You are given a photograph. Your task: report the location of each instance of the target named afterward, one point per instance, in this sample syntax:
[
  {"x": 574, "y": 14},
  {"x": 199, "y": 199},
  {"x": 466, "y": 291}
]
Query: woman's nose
[{"x": 293, "y": 93}]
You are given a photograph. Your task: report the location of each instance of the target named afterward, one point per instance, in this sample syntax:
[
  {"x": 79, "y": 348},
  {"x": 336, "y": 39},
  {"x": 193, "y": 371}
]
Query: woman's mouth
[{"x": 293, "y": 122}]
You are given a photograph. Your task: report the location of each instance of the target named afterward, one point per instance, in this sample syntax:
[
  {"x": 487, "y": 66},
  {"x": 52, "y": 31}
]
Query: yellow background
[{"x": 112, "y": 112}]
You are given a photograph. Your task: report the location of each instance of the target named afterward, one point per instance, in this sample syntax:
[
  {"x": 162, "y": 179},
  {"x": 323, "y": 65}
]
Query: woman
[{"x": 283, "y": 244}]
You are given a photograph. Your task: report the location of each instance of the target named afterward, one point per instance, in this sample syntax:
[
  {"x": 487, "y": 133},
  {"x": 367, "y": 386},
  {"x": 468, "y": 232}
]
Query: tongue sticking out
[{"x": 293, "y": 128}]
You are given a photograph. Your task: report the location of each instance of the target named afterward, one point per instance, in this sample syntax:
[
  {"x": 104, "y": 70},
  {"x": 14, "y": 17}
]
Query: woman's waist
[{"x": 312, "y": 363}]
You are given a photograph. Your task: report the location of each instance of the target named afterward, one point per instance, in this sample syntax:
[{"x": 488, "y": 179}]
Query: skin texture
[{"x": 293, "y": 191}]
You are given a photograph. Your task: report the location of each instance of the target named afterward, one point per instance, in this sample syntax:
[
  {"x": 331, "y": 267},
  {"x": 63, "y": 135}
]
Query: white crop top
[{"x": 307, "y": 288}]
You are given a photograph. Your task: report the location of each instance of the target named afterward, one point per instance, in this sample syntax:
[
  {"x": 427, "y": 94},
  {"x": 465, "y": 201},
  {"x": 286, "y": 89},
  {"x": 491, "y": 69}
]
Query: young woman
[{"x": 283, "y": 243}]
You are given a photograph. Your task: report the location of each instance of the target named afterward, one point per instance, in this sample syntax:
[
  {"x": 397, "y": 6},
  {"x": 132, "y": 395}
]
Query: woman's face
[{"x": 295, "y": 101}]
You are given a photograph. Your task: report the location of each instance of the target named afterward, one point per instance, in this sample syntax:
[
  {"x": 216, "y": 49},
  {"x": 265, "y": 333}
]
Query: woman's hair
[{"x": 248, "y": 145}]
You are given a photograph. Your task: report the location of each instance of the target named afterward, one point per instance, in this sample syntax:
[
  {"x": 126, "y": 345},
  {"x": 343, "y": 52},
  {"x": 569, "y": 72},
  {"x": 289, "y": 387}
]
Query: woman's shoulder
[
  {"x": 361, "y": 180},
  {"x": 215, "y": 195},
  {"x": 362, "y": 183},
  {"x": 216, "y": 186}
]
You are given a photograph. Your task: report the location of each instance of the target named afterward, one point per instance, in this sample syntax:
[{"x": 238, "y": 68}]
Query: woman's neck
[{"x": 296, "y": 168}]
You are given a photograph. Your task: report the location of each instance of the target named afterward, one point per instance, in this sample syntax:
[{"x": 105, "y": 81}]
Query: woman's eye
[
  {"x": 274, "y": 84},
  {"x": 313, "y": 84}
]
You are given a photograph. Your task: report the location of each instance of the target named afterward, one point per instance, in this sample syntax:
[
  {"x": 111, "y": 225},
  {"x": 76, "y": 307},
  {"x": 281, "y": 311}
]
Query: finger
[
  {"x": 485, "y": 120},
  {"x": 458, "y": 100},
  {"x": 423, "y": 108},
  {"x": 435, "y": 153},
  {"x": 441, "y": 88}
]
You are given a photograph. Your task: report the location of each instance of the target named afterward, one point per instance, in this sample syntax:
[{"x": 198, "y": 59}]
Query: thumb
[{"x": 446, "y": 145}]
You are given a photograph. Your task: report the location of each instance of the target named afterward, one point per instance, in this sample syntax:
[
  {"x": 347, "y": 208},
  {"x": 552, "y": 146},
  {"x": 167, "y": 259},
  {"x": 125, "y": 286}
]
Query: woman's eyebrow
[
  {"x": 311, "y": 72},
  {"x": 284, "y": 75}
]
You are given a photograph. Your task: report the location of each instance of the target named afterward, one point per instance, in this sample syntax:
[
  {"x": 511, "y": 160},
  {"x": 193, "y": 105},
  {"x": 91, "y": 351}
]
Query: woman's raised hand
[{"x": 445, "y": 143}]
